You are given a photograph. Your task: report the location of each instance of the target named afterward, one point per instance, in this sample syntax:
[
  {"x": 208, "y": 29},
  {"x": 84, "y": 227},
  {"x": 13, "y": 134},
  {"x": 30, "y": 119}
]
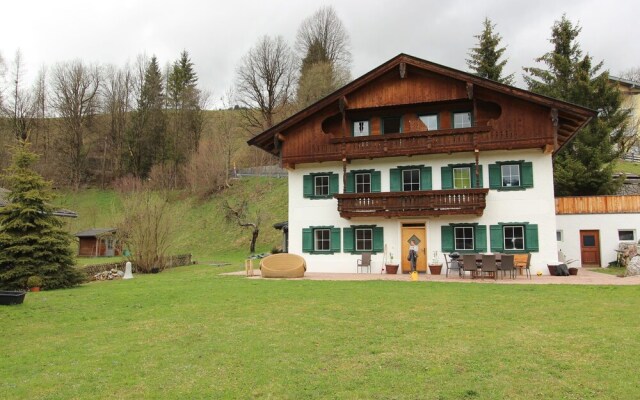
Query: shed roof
[{"x": 95, "y": 232}]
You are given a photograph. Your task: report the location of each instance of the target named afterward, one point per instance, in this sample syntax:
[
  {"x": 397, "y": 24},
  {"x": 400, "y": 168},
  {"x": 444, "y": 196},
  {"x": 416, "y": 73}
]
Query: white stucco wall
[
  {"x": 535, "y": 205},
  {"x": 607, "y": 225}
]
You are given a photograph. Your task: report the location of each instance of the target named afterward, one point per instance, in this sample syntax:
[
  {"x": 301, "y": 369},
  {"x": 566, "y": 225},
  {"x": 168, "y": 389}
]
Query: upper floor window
[
  {"x": 391, "y": 125},
  {"x": 430, "y": 121},
  {"x": 410, "y": 180},
  {"x": 462, "y": 119},
  {"x": 320, "y": 186},
  {"x": 361, "y": 128},
  {"x": 363, "y": 182},
  {"x": 462, "y": 178},
  {"x": 511, "y": 175}
]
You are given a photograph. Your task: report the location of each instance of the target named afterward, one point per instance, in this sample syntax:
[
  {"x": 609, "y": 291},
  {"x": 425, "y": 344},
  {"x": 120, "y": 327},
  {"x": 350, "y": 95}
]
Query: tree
[
  {"x": 264, "y": 82},
  {"x": 145, "y": 138},
  {"x": 241, "y": 215},
  {"x": 585, "y": 165},
  {"x": 20, "y": 108},
  {"x": 485, "y": 58},
  {"x": 75, "y": 101},
  {"x": 32, "y": 240}
]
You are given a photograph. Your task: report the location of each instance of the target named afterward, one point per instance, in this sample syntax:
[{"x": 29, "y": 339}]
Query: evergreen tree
[
  {"x": 318, "y": 76},
  {"x": 584, "y": 166},
  {"x": 145, "y": 138},
  {"x": 485, "y": 58},
  {"x": 32, "y": 241}
]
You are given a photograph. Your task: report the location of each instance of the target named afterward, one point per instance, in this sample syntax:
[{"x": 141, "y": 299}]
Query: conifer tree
[
  {"x": 485, "y": 60},
  {"x": 585, "y": 165},
  {"x": 32, "y": 241}
]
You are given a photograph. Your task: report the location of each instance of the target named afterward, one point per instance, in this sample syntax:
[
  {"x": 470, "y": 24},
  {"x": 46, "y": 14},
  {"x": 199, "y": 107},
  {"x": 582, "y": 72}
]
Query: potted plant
[
  {"x": 34, "y": 283},
  {"x": 391, "y": 267},
  {"x": 435, "y": 266}
]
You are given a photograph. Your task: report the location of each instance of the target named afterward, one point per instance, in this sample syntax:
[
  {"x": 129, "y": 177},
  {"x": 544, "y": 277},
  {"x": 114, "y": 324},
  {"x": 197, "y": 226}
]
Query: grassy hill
[{"x": 201, "y": 228}]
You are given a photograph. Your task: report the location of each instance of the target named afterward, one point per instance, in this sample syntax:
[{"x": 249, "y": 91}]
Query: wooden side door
[
  {"x": 590, "y": 248},
  {"x": 418, "y": 233}
]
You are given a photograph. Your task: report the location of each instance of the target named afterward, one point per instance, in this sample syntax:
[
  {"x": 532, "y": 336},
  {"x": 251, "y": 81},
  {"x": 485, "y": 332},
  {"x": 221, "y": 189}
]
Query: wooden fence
[
  {"x": 598, "y": 205},
  {"x": 172, "y": 261}
]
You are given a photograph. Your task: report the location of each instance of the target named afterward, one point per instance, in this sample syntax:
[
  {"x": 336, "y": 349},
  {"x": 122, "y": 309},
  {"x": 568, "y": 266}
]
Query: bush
[{"x": 34, "y": 281}]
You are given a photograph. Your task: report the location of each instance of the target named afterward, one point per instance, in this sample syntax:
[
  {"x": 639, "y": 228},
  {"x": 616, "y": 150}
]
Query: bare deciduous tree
[
  {"x": 324, "y": 28},
  {"x": 241, "y": 215},
  {"x": 75, "y": 100},
  {"x": 264, "y": 81},
  {"x": 19, "y": 108}
]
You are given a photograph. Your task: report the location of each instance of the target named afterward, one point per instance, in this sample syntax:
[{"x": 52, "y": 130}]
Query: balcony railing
[{"x": 412, "y": 204}]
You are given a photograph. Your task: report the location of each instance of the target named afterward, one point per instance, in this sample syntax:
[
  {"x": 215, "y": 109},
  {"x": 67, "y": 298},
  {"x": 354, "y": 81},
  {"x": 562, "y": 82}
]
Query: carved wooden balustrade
[{"x": 416, "y": 203}]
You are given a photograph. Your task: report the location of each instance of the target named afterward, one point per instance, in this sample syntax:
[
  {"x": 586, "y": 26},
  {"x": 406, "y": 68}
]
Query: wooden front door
[
  {"x": 590, "y": 248},
  {"x": 418, "y": 233}
]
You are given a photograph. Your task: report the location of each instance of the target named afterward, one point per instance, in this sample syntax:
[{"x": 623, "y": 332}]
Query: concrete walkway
[{"x": 584, "y": 277}]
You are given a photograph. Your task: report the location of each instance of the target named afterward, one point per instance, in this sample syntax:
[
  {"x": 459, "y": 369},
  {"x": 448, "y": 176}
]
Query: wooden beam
[
  {"x": 343, "y": 104},
  {"x": 554, "y": 122},
  {"x": 470, "y": 90},
  {"x": 403, "y": 70},
  {"x": 548, "y": 148}
]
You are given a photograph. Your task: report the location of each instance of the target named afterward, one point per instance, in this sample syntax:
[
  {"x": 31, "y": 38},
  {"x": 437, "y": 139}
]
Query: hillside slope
[{"x": 201, "y": 227}]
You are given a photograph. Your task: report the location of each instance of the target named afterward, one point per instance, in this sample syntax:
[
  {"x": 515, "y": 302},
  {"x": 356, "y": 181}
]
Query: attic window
[
  {"x": 391, "y": 125},
  {"x": 361, "y": 128}
]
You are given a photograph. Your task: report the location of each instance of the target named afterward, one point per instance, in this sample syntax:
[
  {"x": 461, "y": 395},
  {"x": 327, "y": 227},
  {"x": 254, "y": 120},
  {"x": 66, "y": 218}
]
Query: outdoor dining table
[{"x": 479, "y": 263}]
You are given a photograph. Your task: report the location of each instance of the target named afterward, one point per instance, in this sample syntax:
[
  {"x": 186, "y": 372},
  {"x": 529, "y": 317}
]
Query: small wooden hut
[{"x": 98, "y": 243}]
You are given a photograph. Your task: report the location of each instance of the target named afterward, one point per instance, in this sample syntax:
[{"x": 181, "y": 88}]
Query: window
[
  {"x": 391, "y": 125},
  {"x": 511, "y": 175},
  {"x": 627, "y": 235},
  {"x": 361, "y": 128},
  {"x": 559, "y": 236},
  {"x": 463, "y": 238},
  {"x": 430, "y": 121},
  {"x": 321, "y": 240},
  {"x": 462, "y": 120},
  {"x": 363, "y": 239},
  {"x": 363, "y": 182},
  {"x": 410, "y": 180},
  {"x": 513, "y": 237},
  {"x": 461, "y": 178},
  {"x": 321, "y": 185}
]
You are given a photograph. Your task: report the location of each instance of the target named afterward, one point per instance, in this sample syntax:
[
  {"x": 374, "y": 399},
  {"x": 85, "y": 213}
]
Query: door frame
[
  {"x": 599, "y": 253},
  {"x": 423, "y": 246}
]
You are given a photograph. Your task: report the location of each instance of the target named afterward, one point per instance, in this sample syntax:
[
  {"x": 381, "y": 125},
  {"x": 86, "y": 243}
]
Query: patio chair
[
  {"x": 523, "y": 261},
  {"x": 454, "y": 264},
  {"x": 364, "y": 262},
  {"x": 489, "y": 265},
  {"x": 469, "y": 265},
  {"x": 507, "y": 265}
]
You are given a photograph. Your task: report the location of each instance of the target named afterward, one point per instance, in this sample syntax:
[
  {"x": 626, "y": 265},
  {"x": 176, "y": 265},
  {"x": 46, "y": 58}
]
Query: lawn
[{"x": 193, "y": 333}]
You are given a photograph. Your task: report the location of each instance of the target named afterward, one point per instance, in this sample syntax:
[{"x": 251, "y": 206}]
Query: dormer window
[
  {"x": 361, "y": 128},
  {"x": 462, "y": 119}
]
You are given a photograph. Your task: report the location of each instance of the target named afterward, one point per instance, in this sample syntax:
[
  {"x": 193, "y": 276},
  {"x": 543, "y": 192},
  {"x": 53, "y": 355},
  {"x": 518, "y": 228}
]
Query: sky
[{"x": 217, "y": 34}]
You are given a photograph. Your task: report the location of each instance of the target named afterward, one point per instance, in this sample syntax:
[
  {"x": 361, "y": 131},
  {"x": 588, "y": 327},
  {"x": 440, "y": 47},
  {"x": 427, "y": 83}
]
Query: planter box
[
  {"x": 435, "y": 269},
  {"x": 553, "y": 269},
  {"x": 8, "y": 298},
  {"x": 573, "y": 271},
  {"x": 391, "y": 268}
]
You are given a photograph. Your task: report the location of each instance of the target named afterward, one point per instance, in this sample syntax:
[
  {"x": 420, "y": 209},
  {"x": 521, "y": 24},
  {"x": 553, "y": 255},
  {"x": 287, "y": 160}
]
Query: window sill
[
  {"x": 321, "y": 252},
  {"x": 510, "y": 188},
  {"x": 319, "y": 197}
]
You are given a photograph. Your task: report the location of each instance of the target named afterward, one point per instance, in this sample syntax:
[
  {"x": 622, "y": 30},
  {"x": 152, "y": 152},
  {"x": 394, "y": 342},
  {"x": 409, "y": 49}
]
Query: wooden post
[{"x": 248, "y": 266}]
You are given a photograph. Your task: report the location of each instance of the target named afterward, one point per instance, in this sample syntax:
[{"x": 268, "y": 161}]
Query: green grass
[
  {"x": 191, "y": 333},
  {"x": 201, "y": 228},
  {"x": 610, "y": 270},
  {"x": 628, "y": 167}
]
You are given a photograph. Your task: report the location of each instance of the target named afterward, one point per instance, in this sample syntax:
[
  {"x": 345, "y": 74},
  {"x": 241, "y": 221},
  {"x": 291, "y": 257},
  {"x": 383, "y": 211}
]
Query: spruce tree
[
  {"x": 485, "y": 58},
  {"x": 585, "y": 165},
  {"x": 32, "y": 241}
]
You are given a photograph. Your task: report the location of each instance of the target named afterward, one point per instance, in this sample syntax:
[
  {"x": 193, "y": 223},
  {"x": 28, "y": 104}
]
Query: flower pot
[
  {"x": 34, "y": 289},
  {"x": 573, "y": 271},
  {"x": 553, "y": 269},
  {"x": 8, "y": 297},
  {"x": 391, "y": 268},
  {"x": 435, "y": 269}
]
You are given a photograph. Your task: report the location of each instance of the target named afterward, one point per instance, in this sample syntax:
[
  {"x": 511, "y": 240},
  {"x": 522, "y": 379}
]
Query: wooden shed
[{"x": 98, "y": 243}]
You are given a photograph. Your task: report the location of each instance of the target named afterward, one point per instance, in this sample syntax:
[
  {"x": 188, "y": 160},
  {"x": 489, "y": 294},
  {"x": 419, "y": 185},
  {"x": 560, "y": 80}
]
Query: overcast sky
[{"x": 218, "y": 33}]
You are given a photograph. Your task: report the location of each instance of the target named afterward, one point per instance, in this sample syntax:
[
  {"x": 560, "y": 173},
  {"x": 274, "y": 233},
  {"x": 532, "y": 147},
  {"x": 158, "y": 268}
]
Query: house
[
  {"x": 591, "y": 228},
  {"x": 98, "y": 243},
  {"x": 413, "y": 150}
]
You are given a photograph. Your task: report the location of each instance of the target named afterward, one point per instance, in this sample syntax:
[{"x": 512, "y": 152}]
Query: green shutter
[
  {"x": 334, "y": 185},
  {"x": 307, "y": 240},
  {"x": 395, "y": 180},
  {"x": 425, "y": 178},
  {"x": 347, "y": 240},
  {"x": 481, "y": 238},
  {"x": 351, "y": 183},
  {"x": 497, "y": 241},
  {"x": 447, "y": 177},
  {"x": 335, "y": 240},
  {"x": 473, "y": 176},
  {"x": 376, "y": 186},
  {"x": 531, "y": 237},
  {"x": 495, "y": 178},
  {"x": 307, "y": 185},
  {"x": 378, "y": 239},
  {"x": 446, "y": 238},
  {"x": 526, "y": 172}
]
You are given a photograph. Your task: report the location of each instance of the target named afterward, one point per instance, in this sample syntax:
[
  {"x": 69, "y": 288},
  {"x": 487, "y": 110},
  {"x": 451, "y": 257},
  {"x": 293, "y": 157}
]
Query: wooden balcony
[{"x": 412, "y": 204}]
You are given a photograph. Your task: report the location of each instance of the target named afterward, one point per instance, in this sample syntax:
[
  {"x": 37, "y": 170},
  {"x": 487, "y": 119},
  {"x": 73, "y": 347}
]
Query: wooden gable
[{"x": 503, "y": 117}]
